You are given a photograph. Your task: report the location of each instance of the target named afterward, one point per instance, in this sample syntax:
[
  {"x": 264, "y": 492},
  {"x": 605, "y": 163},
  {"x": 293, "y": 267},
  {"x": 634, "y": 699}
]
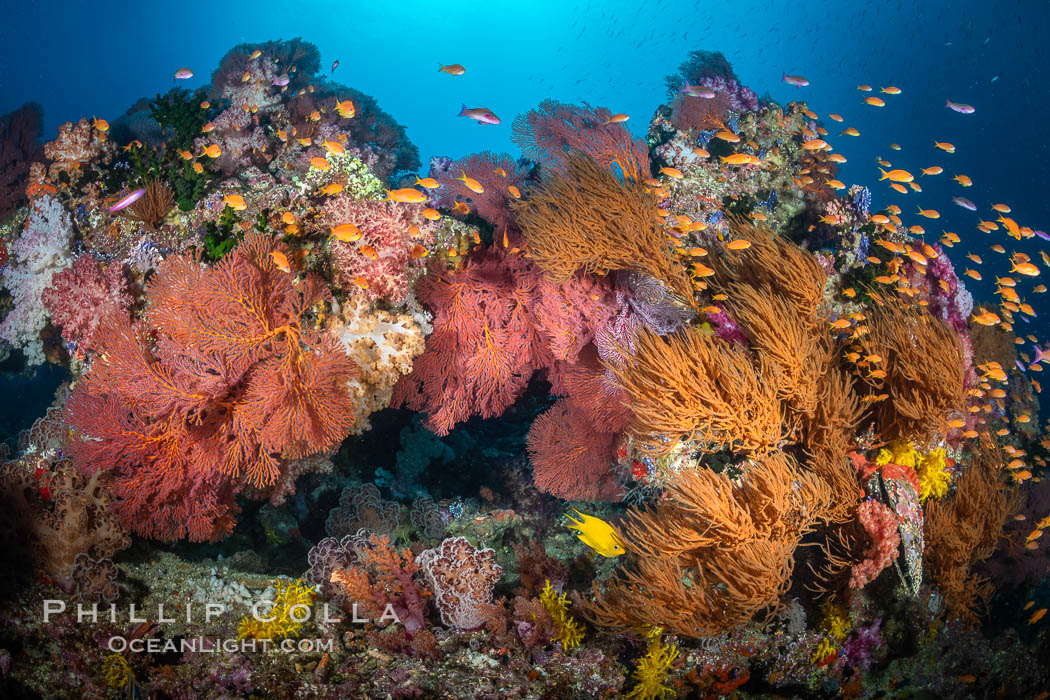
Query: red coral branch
[
  {"x": 221, "y": 381},
  {"x": 552, "y": 131}
]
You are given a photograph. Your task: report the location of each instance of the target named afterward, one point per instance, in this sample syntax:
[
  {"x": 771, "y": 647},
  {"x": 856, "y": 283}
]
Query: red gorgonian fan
[
  {"x": 217, "y": 384},
  {"x": 552, "y": 131}
]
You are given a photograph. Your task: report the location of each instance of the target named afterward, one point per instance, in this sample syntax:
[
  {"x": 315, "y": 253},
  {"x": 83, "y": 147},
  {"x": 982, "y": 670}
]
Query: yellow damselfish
[{"x": 597, "y": 534}]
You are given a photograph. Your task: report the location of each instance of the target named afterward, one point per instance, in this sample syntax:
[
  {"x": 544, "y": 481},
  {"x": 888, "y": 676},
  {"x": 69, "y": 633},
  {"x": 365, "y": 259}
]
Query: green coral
[
  {"x": 221, "y": 236},
  {"x": 285, "y": 618},
  {"x": 357, "y": 180},
  {"x": 650, "y": 674},
  {"x": 181, "y": 115},
  {"x": 566, "y": 629}
]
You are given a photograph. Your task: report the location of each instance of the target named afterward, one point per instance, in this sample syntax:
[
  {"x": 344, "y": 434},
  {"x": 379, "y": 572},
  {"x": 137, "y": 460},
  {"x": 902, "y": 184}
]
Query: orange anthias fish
[
  {"x": 963, "y": 180},
  {"x": 280, "y": 260},
  {"x": 741, "y": 159},
  {"x": 451, "y": 69},
  {"x": 408, "y": 195},
  {"x": 850, "y": 131},
  {"x": 345, "y": 109},
  {"x": 471, "y": 184},
  {"x": 875, "y": 101},
  {"x": 617, "y": 119},
  {"x": 896, "y": 175},
  {"x": 428, "y": 182},
  {"x": 944, "y": 146},
  {"x": 346, "y": 233}
]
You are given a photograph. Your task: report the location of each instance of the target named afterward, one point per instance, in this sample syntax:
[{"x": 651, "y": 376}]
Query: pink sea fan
[
  {"x": 81, "y": 295},
  {"x": 571, "y": 458},
  {"x": 570, "y": 313},
  {"x": 492, "y": 204},
  {"x": 386, "y": 229},
  {"x": 553, "y": 130}
]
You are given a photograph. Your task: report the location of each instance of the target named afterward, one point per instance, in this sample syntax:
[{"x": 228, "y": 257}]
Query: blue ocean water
[{"x": 81, "y": 59}]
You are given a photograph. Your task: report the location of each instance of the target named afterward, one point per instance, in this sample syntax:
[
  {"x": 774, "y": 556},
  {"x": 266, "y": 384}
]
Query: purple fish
[
  {"x": 335, "y": 64},
  {"x": 280, "y": 80},
  {"x": 483, "y": 115},
  {"x": 796, "y": 80},
  {"x": 129, "y": 199},
  {"x": 1019, "y": 365},
  {"x": 697, "y": 91},
  {"x": 959, "y": 107},
  {"x": 1042, "y": 234},
  {"x": 965, "y": 203},
  {"x": 183, "y": 74},
  {"x": 1039, "y": 356}
]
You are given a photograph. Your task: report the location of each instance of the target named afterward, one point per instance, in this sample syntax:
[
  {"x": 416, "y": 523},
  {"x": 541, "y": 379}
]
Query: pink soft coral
[
  {"x": 880, "y": 522},
  {"x": 462, "y": 578},
  {"x": 390, "y": 231},
  {"x": 81, "y": 295}
]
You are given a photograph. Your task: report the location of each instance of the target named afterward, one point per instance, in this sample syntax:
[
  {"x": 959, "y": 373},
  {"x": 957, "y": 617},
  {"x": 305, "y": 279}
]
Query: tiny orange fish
[{"x": 280, "y": 260}]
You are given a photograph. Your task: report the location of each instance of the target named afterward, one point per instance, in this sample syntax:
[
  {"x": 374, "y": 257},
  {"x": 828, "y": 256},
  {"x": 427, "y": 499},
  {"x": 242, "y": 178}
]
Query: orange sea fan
[
  {"x": 587, "y": 219},
  {"x": 689, "y": 387}
]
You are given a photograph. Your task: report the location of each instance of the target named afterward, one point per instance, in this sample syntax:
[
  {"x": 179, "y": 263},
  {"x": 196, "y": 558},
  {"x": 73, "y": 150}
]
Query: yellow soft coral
[
  {"x": 898, "y": 452},
  {"x": 566, "y": 629},
  {"x": 651, "y": 672},
  {"x": 836, "y": 622},
  {"x": 931, "y": 467},
  {"x": 290, "y": 610},
  {"x": 116, "y": 672},
  {"x": 934, "y": 476},
  {"x": 825, "y": 653}
]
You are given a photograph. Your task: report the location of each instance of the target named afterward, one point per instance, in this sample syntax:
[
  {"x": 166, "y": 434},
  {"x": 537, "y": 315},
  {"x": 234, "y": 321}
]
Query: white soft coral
[{"x": 42, "y": 250}]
